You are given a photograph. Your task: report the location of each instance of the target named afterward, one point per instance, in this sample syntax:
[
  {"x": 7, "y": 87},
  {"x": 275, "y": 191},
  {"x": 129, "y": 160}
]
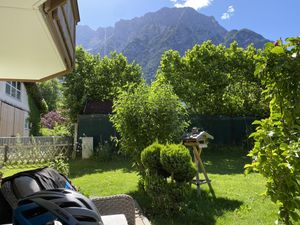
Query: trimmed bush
[
  {"x": 187, "y": 174},
  {"x": 168, "y": 198},
  {"x": 150, "y": 158},
  {"x": 168, "y": 172},
  {"x": 176, "y": 160}
]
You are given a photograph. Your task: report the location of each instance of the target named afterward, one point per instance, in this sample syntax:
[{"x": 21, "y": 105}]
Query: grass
[
  {"x": 96, "y": 178},
  {"x": 239, "y": 198},
  {"x": 239, "y": 201}
]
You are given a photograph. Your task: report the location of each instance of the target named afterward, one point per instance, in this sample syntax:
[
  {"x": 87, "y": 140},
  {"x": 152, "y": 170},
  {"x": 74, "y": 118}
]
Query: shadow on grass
[
  {"x": 80, "y": 168},
  {"x": 200, "y": 210},
  {"x": 225, "y": 161}
]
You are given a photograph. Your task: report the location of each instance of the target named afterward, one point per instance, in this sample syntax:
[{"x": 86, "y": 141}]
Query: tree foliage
[
  {"x": 277, "y": 144},
  {"x": 144, "y": 114},
  {"x": 215, "y": 80},
  {"x": 51, "y": 92},
  {"x": 34, "y": 92},
  {"x": 37, "y": 106},
  {"x": 96, "y": 78}
]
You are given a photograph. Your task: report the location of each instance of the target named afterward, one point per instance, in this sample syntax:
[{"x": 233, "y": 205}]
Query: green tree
[
  {"x": 243, "y": 94},
  {"x": 96, "y": 78},
  {"x": 215, "y": 80},
  {"x": 74, "y": 85},
  {"x": 197, "y": 78},
  {"x": 111, "y": 73},
  {"x": 144, "y": 114},
  {"x": 276, "y": 153},
  {"x": 51, "y": 92}
]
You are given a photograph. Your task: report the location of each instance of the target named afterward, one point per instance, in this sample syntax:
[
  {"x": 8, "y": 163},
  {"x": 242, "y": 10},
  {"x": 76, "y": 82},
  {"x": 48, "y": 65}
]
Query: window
[
  {"x": 27, "y": 124},
  {"x": 13, "y": 89}
]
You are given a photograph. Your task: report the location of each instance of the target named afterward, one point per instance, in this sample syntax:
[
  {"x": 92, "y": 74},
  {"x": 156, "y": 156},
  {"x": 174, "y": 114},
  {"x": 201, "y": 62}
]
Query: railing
[{"x": 31, "y": 150}]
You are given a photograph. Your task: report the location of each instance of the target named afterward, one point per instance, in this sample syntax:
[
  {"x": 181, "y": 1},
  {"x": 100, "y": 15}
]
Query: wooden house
[
  {"x": 37, "y": 43},
  {"x": 14, "y": 109}
]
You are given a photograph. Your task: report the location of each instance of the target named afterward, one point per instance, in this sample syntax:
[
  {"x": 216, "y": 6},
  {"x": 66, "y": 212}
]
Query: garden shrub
[
  {"x": 143, "y": 114},
  {"x": 58, "y": 130},
  {"x": 176, "y": 159},
  {"x": 54, "y": 124},
  {"x": 60, "y": 163},
  {"x": 169, "y": 170},
  {"x": 187, "y": 174},
  {"x": 52, "y": 119},
  {"x": 167, "y": 198},
  {"x": 150, "y": 158}
]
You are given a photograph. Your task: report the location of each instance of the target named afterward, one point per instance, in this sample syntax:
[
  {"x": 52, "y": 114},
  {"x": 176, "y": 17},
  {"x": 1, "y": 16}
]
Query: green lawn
[
  {"x": 239, "y": 198},
  {"x": 102, "y": 179}
]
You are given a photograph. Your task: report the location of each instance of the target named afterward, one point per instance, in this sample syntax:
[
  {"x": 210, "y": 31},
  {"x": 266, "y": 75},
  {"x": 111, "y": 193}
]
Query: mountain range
[{"x": 144, "y": 39}]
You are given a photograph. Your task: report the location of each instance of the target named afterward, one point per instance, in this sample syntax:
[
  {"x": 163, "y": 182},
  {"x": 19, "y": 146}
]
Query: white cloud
[
  {"x": 225, "y": 16},
  {"x": 230, "y": 9},
  {"x": 229, "y": 13},
  {"x": 196, "y": 4}
]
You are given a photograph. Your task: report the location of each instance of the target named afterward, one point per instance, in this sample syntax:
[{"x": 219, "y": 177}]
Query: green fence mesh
[
  {"x": 226, "y": 130},
  {"x": 97, "y": 126}
]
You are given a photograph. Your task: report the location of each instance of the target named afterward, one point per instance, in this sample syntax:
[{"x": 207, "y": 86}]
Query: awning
[{"x": 37, "y": 40}]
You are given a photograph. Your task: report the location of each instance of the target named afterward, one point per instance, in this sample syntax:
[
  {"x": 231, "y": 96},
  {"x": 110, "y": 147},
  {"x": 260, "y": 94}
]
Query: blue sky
[{"x": 273, "y": 19}]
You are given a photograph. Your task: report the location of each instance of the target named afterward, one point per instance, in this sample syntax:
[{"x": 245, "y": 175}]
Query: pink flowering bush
[{"x": 51, "y": 119}]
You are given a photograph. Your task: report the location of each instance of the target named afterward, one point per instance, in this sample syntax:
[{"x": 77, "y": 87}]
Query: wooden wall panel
[
  {"x": 7, "y": 120},
  {"x": 19, "y": 122},
  {"x": 11, "y": 120},
  {"x": 1, "y": 119}
]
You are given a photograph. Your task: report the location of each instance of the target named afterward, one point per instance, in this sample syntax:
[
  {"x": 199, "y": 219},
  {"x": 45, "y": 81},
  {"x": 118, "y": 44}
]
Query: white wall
[{"x": 22, "y": 104}]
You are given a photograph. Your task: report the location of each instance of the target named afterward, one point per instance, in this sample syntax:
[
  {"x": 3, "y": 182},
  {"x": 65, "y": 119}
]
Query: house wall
[
  {"x": 22, "y": 104},
  {"x": 13, "y": 113}
]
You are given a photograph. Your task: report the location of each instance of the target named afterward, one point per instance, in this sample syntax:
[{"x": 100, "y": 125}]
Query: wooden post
[
  {"x": 198, "y": 171},
  {"x": 204, "y": 172}
]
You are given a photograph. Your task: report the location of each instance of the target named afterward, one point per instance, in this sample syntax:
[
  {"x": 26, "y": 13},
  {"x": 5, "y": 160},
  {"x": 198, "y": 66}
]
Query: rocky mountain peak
[{"x": 145, "y": 38}]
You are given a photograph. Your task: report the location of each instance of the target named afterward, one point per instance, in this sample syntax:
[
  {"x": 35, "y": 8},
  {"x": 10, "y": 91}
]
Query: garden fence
[
  {"x": 226, "y": 130},
  {"x": 97, "y": 126},
  {"x": 31, "y": 150}
]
